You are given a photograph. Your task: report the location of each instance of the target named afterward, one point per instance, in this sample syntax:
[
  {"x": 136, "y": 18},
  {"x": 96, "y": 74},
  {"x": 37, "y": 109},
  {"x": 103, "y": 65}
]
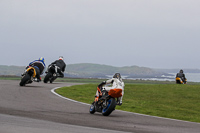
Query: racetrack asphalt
[{"x": 35, "y": 109}]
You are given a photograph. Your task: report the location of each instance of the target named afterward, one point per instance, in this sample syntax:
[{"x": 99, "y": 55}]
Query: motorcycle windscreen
[{"x": 115, "y": 93}]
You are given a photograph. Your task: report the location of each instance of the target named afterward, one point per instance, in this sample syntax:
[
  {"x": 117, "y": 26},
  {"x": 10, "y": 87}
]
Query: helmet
[
  {"x": 61, "y": 58},
  {"x": 41, "y": 59},
  {"x": 181, "y": 71},
  {"x": 117, "y": 75}
]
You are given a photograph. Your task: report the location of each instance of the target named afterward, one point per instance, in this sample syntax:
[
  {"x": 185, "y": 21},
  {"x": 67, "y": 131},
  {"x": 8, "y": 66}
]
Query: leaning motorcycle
[
  {"x": 28, "y": 76},
  {"x": 51, "y": 73},
  {"x": 180, "y": 81},
  {"x": 107, "y": 102}
]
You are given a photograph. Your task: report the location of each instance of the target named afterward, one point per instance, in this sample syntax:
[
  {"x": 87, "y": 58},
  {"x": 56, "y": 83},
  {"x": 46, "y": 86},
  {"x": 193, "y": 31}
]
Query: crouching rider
[{"x": 116, "y": 83}]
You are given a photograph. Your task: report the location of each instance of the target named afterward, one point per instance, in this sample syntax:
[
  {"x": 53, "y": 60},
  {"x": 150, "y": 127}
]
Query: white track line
[{"x": 53, "y": 91}]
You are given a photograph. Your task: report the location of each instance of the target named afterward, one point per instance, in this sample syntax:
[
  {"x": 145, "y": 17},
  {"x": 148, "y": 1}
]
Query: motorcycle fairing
[
  {"x": 34, "y": 72},
  {"x": 179, "y": 81},
  {"x": 115, "y": 92}
]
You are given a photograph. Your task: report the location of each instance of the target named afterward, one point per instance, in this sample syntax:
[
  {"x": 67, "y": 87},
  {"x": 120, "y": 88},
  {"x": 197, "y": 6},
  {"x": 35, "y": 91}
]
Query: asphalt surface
[{"x": 35, "y": 109}]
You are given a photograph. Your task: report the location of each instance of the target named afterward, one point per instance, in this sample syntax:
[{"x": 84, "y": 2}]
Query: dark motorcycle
[
  {"x": 181, "y": 81},
  {"x": 28, "y": 76},
  {"x": 51, "y": 73},
  {"x": 107, "y": 102}
]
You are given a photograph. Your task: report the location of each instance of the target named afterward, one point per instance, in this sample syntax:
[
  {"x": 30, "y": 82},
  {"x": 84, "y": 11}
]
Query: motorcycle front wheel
[
  {"x": 110, "y": 106},
  {"x": 25, "y": 79},
  {"x": 92, "y": 108}
]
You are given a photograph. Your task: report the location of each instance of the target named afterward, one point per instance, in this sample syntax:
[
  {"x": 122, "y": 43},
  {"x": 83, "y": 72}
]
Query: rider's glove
[{"x": 102, "y": 83}]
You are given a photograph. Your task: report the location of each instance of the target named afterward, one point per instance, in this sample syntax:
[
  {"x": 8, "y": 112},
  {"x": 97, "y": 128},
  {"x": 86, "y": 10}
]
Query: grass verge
[{"x": 164, "y": 100}]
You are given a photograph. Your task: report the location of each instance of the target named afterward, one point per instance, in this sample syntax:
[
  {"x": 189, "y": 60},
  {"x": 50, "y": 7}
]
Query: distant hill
[
  {"x": 88, "y": 70},
  {"x": 177, "y": 70},
  {"x": 11, "y": 70},
  {"x": 100, "y": 71}
]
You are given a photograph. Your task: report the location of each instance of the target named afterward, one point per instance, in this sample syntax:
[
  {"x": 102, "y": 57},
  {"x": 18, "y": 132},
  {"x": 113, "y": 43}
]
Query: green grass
[
  {"x": 164, "y": 100},
  {"x": 4, "y": 77}
]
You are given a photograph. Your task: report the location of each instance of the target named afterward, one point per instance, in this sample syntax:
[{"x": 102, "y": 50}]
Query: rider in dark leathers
[
  {"x": 181, "y": 75},
  {"x": 61, "y": 66}
]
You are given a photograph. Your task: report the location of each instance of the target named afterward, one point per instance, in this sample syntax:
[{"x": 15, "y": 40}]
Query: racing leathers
[
  {"x": 61, "y": 67},
  {"x": 39, "y": 66},
  {"x": 181, "y": 75},
  {"x": 115, "y": 84}
]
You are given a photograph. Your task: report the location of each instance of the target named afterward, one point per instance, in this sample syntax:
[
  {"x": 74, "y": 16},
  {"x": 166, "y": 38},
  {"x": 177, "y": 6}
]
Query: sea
[{"x": 191, "y": 77}]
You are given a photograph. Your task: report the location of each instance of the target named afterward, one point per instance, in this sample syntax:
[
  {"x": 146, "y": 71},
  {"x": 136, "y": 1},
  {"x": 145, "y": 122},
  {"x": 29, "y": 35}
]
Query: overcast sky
[{"x": 146, "y": 33}]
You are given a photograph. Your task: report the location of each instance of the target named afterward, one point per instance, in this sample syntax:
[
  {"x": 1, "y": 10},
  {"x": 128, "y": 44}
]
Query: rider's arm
[
  {"x": 32, "y": 63},
  {"x": 53, "y": 62},
  {"x": 63, "y": 69},
  {"x": 102, "y": 83},
  {"x": 110, "y": 81}
]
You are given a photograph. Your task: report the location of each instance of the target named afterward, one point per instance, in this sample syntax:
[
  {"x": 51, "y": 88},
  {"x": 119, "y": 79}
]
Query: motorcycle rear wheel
[
  {"x": 47, "y": 77},
  {"x": 92, "y": 108},
  {"x": 52, "y": 79},
  {"x": 111, "y": 103},
  {"x": 24, "y": 80}
]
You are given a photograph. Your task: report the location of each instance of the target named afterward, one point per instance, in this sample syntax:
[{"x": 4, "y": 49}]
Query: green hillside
[
  {"x": 11, "y": 70},
  {"x": 88, "y": 70},
  {"x": 97, "y": 70}
]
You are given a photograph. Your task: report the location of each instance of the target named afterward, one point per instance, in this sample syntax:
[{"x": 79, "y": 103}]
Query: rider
[
  {"x": 39, "y": 66},
  {"x": 116, "y": 82},
  {"x": 181, "y": 75},
  {"x": 61, "y": 65}
]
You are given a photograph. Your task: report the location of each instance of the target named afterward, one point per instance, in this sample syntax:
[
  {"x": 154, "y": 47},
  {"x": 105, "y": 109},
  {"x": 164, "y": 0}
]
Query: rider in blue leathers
[{"x": 39, "y": 66}]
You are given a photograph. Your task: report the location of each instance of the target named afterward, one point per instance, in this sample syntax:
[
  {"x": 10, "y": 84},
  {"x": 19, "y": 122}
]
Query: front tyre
[
  {"x": 25, "y": 79},
  {"x": 110, "y": 106},
  {"x": 92, "y": 108}
]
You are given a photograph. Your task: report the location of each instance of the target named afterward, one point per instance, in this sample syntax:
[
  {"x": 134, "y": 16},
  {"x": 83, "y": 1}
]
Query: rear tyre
[
  {"x": 92, "y": 108},
  {"x": 25, "y": 79},
  {"x": 110, "y": 106},
  {"x": 47, "y": 77},
  {"x": 52, "y": 79}
]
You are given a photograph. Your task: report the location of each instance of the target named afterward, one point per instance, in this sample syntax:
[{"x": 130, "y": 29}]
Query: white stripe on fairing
[{"x": 53, "y": 91}]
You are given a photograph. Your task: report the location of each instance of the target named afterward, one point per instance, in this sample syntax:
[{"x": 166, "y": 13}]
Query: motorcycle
[
  {"x": 107, "y": 102},
  {"x": 180, "y": 81},
  {"x": 51, "y": 73},
  {"x": 28, "y": 76}
]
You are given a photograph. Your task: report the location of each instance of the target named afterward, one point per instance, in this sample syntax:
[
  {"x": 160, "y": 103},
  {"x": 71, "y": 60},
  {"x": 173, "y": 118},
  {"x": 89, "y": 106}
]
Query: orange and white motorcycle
[{"x": 106, "y": 102}]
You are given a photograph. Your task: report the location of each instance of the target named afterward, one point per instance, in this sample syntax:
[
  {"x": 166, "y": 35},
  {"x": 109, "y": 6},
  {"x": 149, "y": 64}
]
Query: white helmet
[{"x": 61, "y": 58}]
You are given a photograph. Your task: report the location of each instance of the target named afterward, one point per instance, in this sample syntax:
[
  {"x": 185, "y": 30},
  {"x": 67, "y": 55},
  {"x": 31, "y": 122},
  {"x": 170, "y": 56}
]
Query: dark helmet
[
  {"x": 117, "y": 75},
  {"x": 181, "y": 71}
]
